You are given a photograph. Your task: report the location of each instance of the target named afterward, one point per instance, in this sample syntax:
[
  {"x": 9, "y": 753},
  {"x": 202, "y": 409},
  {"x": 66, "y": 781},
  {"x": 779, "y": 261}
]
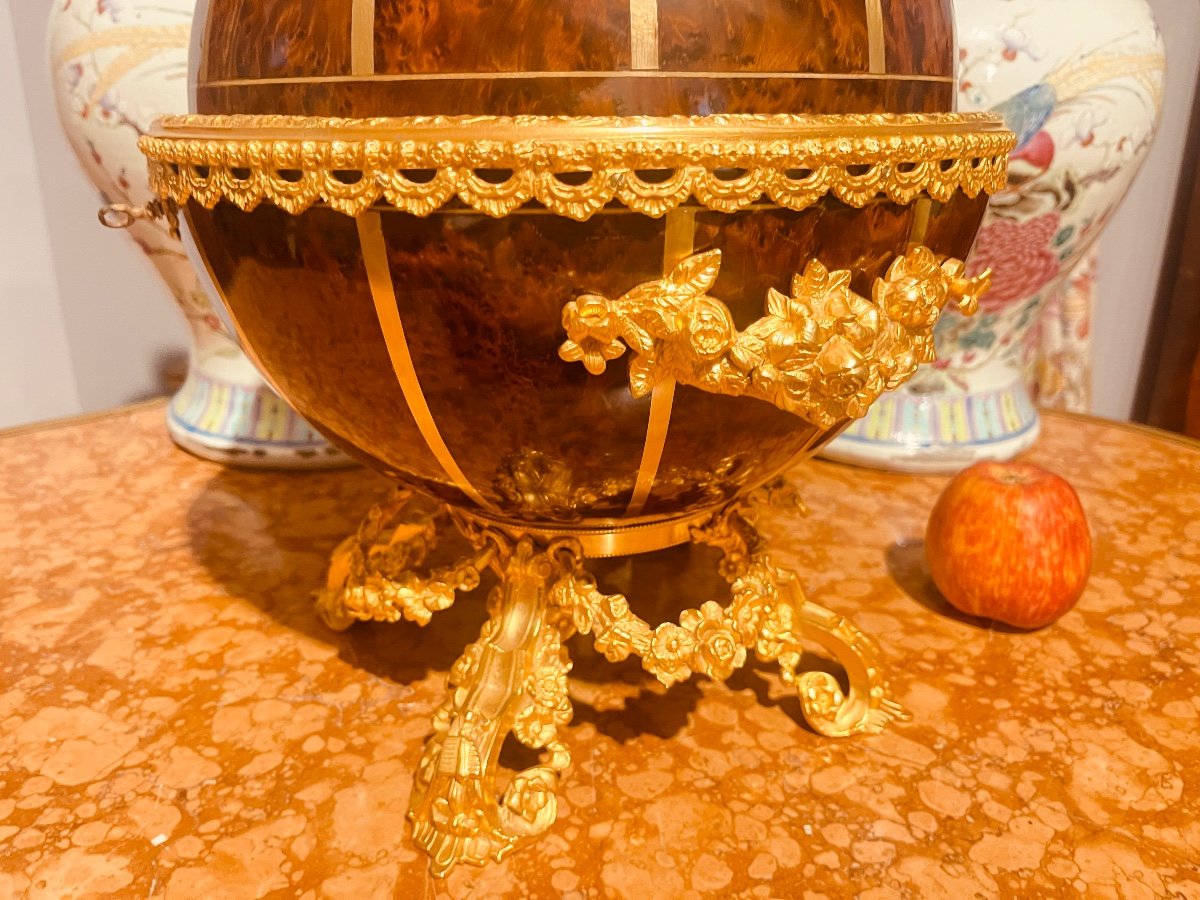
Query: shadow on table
[
  {"x": 906, "y": 564},
  {"x": 266, "y": 539}
]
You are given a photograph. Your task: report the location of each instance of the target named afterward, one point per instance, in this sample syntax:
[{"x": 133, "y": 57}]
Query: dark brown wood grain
[
  {"x": 1193, "y": 412},
  {"x": 920, "y": 37},
  {"x": 298, "y": 288},
  {"x": 1169, "y": 395},
  {"x": 276, "y": 38},
  {"x": 484, "y": 36},
  {"x": 953, "y": 226},
  {"x": 763, "y": 35},
  {"x": 481, "y": 300},
  {"x": 1172, "y": 362},
  {"x": 630, "y": 95},
  {"x": 545, "y": 41}
]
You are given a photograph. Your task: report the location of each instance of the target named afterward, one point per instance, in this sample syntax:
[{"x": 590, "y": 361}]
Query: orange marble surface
[{"x": 175, "y": 722}]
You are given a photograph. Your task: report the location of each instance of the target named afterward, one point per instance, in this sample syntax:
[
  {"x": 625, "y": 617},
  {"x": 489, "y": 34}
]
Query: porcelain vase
[
  {"x": 116, "y": 67},
  {"x": 1080, "y": 82}
]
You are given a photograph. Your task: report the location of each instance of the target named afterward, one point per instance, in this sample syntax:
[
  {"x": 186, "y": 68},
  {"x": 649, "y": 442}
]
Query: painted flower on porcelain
[
  {"x": 1080, "y": 82},
  {"x": 1022, "y": 257}
]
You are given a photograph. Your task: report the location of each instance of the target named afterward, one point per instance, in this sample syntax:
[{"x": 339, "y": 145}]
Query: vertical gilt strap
[
  {"x": 362, "y": 38},
  {"x": 643, "y": 32},
  {"x": 876, "y": 39}
]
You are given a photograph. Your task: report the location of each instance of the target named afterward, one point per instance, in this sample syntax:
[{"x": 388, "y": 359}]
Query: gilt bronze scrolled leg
[
  {"x": 512, "y": 680},
  {"x": 768, "y": 614},
  {"x": 868, "y": 707}
]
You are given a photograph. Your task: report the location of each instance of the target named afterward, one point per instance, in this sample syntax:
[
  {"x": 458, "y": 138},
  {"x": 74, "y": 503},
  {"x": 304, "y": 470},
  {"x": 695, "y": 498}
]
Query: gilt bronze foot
[{"x": 513, "y": 680}]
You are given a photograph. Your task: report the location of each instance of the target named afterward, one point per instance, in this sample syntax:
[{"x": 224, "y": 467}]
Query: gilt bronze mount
[
  {"x": 574, "y": 166},
  {"x": 413, "y": 285},
  {"x": 513, "y": 680}
]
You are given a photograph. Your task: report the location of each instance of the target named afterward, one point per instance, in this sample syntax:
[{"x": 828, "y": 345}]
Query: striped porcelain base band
[
  {"x": 931, "y": 420},
  {"x": 245, "y": 425},
  {"x": 939, "y": 433}
]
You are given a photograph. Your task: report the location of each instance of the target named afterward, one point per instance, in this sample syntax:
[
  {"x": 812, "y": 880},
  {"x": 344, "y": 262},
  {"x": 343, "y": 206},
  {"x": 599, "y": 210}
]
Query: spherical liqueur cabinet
[{"x": 582, "y": 278}]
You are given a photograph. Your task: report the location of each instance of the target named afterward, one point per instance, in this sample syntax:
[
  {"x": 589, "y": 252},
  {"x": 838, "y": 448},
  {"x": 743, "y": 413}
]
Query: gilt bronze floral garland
[{"x": 824, "y": 353}]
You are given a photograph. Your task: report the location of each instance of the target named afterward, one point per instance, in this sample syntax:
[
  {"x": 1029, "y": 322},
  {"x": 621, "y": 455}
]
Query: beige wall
[
  {"x": 117, "y": 319},
  {"x": 37, "y": 377}
]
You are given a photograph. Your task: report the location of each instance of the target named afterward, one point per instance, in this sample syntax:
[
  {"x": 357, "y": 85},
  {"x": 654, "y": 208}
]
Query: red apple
[{"x": 1010, "y": 542}]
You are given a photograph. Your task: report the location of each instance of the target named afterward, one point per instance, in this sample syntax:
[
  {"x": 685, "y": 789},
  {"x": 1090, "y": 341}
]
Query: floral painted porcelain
[
  {"x": 1080, "y": 82},
  {"x": 117, "y": 65}
]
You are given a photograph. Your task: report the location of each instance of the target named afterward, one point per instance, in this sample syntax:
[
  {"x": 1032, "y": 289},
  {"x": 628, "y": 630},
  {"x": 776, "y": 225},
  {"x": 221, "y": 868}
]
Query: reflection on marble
[{"x": 175, "y": 722}]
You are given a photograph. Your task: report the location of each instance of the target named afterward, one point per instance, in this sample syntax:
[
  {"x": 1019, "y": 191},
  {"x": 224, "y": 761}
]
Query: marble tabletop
[{"x": 176, "y": 722}]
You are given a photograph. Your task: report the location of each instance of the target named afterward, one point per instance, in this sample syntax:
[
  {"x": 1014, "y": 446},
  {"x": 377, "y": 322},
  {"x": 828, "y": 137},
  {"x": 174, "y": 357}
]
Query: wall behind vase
[
  {"x": 88, "y": 326},
  {"x": 1131, "y": 249},
  {"x": 37, "y": 378},
  {"x": 119, "y": 325}
]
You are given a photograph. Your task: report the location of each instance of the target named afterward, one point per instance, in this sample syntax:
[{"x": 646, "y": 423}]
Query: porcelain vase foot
[
  {"x": 244, "y": 423},
  {"x": 940, "y": 433}
]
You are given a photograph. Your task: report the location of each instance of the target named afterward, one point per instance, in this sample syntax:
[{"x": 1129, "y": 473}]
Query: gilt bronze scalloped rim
[{"x": 574, "y": 166}]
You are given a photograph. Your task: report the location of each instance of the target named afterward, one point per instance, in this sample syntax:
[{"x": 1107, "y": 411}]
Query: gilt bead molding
[{"x": 574, "y": 166}]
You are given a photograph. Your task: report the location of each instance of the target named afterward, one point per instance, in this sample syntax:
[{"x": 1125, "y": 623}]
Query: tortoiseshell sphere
[
  {"x": 480, "y": 299},
  {"x": 575, "y": 57}
]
